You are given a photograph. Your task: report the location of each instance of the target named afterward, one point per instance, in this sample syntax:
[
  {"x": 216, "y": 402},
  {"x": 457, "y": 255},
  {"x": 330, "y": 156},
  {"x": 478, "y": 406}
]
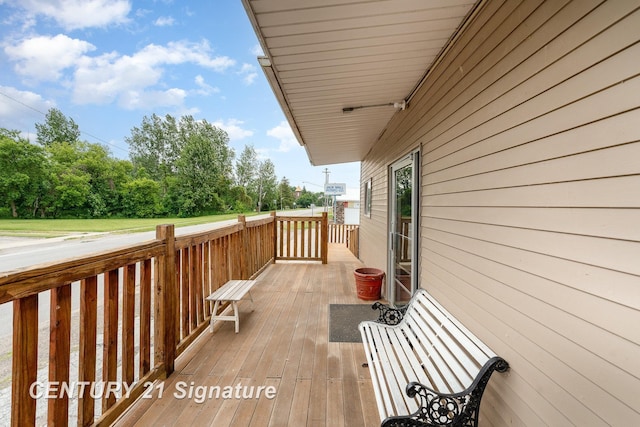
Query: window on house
[{"x": 367, "y": 198}]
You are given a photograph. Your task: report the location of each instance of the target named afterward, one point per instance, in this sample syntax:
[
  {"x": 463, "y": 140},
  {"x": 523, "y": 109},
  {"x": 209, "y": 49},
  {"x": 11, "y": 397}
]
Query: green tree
[
  {"x": 57, "y": 128},
  {"x": 204, "y": 168},
  {"x": 141, "y": 198},
  {"x": 87, "y": 170},
  {"x": 155, "y": 146},
  {"x": 267, "y": 185},
  {"x": 239, "y": 200},
  {"x": 72, "y": 191},
  {"x": 247, "y": 167},
  {"x": 107, "y": 177},
  {"x": 286, "y": 193},
  {"x": 23, "y": 170},
  {"x": 308, "y": 198}
]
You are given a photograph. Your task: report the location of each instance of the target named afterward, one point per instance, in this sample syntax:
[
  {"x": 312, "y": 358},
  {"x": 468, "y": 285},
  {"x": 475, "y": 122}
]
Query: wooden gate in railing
[
  {"x": 141, "y": 304},
  {"x": 301, "y": 238}
]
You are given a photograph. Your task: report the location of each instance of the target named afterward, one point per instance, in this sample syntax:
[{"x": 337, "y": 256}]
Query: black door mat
[{"x": 345, "y": 318}]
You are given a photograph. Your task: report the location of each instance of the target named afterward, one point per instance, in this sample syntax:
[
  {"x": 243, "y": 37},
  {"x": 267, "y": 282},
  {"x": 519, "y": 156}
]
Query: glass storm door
[{"x": 402, "y": 281}]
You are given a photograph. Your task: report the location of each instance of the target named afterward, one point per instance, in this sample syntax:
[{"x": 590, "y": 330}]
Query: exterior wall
[{"x": 530, "y": 213}]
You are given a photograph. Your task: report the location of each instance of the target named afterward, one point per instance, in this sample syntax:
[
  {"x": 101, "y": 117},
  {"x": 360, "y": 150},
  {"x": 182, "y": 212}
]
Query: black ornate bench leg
[
  {"x": 389, "y": 315},
  {"x": 451, "y": 410}
]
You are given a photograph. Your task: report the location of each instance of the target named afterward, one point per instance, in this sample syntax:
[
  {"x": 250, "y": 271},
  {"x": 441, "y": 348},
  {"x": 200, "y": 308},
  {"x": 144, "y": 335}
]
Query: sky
[{"x": 108, "y": 63}]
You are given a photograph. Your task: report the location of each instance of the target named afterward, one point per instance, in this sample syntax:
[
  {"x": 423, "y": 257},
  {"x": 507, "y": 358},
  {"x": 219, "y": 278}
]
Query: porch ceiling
[{"x": 322, "y": 56}]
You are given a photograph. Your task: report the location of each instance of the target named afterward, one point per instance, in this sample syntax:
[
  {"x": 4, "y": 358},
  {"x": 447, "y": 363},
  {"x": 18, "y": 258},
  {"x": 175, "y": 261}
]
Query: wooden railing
[
  {"x": 353, "y": 241},
  {"x": 339, "y": 233},
  {"x": 147, "y": 298},
  {"x": 347, "y": 234},
  {"x": 301, "y": 238}
]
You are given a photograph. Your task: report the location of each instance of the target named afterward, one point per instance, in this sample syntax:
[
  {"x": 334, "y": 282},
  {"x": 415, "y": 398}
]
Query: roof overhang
[{"x": 341, "y": 69}]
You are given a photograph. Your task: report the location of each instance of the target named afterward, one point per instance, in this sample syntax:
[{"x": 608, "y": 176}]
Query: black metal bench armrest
[
  {"x": 389, "y": 315},
  {"x": 451, "y": 410}
]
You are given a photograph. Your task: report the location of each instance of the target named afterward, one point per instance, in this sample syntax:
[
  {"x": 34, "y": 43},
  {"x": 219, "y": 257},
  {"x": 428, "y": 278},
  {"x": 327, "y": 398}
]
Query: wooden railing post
[
  {"x": 166, "y": 310},
  {"x": 244, "y": 251},
  {"x": 275, "y": 236},
  {"x": 324, "y": 243}
]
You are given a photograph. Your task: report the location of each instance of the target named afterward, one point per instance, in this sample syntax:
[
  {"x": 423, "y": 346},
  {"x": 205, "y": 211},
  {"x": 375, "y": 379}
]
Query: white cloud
[
  {"x": 164, "y": 21},
  {"x": 181, "y": 52},
  {"x": 249, "y": 74},
  {"x": 285, "y": 135},
  {"x": 257, "y": 50},
  {"x": 233, "y": 129},
  {"x": 20, "y": 109},
  {"x": 105, "y": 78},
  {"x": 205, "y": 88},
  {"x": 133, "y": 99},
  {"x": 45, "y": 57},
  {"x": 77, "y": 14}
]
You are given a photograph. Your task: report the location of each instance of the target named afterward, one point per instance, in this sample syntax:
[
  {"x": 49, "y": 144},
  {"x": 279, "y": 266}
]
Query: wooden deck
[{"x": 283, "y": 343}]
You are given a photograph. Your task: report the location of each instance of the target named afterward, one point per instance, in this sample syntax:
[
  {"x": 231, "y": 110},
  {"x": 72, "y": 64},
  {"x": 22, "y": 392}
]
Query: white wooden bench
[
  {"x": 232, "y": 291},
  {"x": 427, "y": 369}
]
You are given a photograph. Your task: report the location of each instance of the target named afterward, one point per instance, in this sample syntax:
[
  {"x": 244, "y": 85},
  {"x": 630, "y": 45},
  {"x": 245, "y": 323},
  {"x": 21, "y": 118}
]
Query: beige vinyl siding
[
  {"x": 373, "y": 229},
  {"x": 530, "y": 217}
]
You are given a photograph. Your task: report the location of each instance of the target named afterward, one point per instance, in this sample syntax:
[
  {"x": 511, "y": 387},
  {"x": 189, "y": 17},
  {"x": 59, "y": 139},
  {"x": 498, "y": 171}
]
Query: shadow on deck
[{"x": 282, "y": 349}]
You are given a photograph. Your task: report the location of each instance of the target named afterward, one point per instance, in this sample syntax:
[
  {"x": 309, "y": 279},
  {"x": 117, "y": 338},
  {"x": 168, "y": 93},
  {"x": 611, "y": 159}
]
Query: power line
[{"x": 44, "y": 114}]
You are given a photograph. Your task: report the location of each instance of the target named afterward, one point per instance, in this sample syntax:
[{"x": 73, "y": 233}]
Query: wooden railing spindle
[
  {"x": 59, "y": 352},
  {"x": 145, "y": 317},
  {"x": 25, "y": 360},
  {"x": 110, "y": 330},
  {"x": 128, "y": 323},
  {"x": 88, "y": 341}
]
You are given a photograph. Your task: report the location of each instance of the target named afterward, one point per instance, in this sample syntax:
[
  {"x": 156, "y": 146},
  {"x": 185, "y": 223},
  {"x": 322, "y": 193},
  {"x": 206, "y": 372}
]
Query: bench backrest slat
[
  {"x": 460, "y": 367},
  {"x": 426, "y": 341},
  {"x": 413, "y": 357},
  {"x": 463, "y": 334}
]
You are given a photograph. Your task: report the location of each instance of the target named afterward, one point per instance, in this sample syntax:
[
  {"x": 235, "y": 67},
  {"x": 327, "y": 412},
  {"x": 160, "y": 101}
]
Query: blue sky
[{"x": 108, "y": 63}]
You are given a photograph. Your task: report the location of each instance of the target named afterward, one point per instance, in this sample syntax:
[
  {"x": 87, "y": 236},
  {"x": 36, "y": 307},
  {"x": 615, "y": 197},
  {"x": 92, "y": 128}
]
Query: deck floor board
[{"x": 283, "y": 343}]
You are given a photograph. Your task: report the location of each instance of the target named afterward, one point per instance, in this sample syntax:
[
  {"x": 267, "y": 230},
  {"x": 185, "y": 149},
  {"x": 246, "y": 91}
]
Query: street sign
[{"x": 335, "y": 189}]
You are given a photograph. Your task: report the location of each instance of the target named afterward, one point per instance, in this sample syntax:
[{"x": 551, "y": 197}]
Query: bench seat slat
[
  {"x": 391, "y": 371},
  {"x": 383, "y": 399},
  {"x": 233, "y": 290}
]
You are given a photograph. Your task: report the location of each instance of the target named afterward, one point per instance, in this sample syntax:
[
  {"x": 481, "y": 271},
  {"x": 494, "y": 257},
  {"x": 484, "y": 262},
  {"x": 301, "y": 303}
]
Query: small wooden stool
[{"x": 232, "y": 291}]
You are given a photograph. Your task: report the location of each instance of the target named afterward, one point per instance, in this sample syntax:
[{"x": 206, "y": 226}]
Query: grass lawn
[{"x": 60, "y": 227}]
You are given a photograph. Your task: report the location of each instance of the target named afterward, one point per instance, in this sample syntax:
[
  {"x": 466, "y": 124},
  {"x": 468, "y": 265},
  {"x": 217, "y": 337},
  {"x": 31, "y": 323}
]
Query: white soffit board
[{"x": 326, "y": 55}]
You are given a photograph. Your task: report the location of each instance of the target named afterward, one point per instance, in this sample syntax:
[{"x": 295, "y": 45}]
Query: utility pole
[{"x": 326, "y": 173}]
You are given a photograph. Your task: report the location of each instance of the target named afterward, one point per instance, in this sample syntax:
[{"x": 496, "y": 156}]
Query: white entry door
[{"x": 403, "y": 229}]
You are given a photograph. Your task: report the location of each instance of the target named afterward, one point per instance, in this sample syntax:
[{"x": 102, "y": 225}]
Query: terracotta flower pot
[{"x": 369, "y": 283}]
